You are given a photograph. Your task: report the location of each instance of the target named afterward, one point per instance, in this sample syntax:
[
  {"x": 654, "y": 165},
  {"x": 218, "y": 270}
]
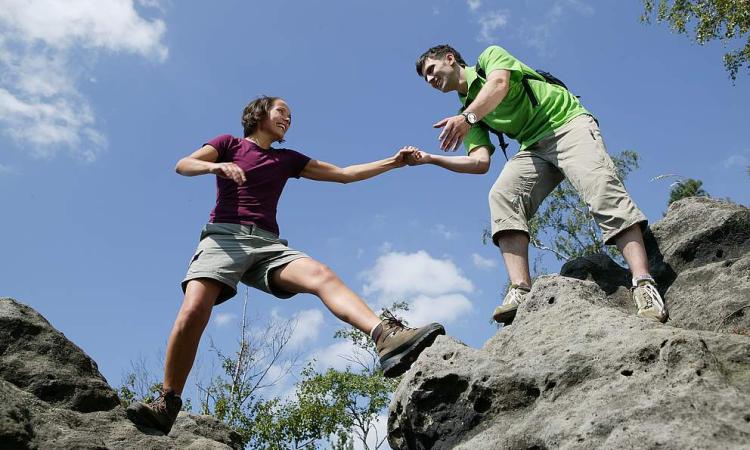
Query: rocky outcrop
[
  {"x": 52, "y": 396},
  {"x": 578, "y": 368}
]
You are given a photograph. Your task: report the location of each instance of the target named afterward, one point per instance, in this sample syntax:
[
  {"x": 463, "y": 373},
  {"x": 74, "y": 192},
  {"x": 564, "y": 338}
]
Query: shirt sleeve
[
  {"x": 478, "y": 137},
  {"x": 297, "y": 163},
  {"x": 221, "y": 144},
  {"x": 495, "y": 58}
]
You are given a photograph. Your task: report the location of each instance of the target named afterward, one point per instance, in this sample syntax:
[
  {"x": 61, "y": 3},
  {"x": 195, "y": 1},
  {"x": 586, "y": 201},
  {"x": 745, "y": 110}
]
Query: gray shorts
[
  {"x": 576, "y": 151},
  {"x": 229, "y": 253}
]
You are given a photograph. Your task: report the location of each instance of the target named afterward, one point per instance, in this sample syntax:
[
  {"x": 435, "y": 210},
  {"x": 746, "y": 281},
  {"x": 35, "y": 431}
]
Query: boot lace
[{"x": 392, "y": 323}]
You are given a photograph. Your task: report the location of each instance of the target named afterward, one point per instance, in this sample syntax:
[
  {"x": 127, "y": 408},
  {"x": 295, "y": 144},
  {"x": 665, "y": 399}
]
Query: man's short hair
[
  {"x": 255, "y": 112},
  {"x": 438, "y": 52}
]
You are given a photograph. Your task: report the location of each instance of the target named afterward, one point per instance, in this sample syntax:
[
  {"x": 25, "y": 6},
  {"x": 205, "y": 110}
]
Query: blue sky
[{"x": 98, "y": 100}]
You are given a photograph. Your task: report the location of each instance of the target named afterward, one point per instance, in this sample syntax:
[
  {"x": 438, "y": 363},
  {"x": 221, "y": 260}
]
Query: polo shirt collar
[{"x": 470, "y": 72}]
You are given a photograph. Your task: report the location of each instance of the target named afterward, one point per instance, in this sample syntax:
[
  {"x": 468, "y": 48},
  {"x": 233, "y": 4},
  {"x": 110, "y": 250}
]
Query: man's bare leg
[
  {"x": 310, "y": 276},
  {"x": 515, "y": 248},
  {"x": 630, "y": 243},
  {"x": 200, "y": 296}
]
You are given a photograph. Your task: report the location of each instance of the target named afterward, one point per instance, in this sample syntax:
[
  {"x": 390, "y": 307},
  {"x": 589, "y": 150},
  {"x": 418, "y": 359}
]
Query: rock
[
  {"x": 578, "y": 369},
  {"x": 697, "y": 231},
  {"x": 39, "y": 359},
  {"x": 52, "y": 396}
]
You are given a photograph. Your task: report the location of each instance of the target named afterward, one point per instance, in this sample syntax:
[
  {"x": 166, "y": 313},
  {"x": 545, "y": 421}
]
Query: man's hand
[
  {"x": 229, "y": 170},
  {"x": 418, "y": 158},
  {"x": 455, "y": 129},
  {"x": 402, "y": 156}
]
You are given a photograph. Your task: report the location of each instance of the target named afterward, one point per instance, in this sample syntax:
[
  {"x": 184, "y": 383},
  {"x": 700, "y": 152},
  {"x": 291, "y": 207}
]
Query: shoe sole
[
  {"x": 139, "y": 414},
  {"x": 400, "y": 360},
  {"x": 505, "y": 317}
]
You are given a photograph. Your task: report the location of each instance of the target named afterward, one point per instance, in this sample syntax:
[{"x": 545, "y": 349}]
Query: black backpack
[{"x": 545, "y": 76}]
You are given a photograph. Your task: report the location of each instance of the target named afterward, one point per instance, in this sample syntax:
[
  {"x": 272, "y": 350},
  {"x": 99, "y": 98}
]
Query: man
[
  {"x": 558, "y": 137},
  {"x": 241, "y": 243}
]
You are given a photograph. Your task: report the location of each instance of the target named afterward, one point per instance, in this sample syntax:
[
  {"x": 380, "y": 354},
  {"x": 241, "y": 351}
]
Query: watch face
[{"x": 471, "y": 118}]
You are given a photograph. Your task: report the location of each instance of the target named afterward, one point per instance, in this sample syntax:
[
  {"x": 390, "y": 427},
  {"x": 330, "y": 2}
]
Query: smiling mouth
[{"x": 282, "y": 126}]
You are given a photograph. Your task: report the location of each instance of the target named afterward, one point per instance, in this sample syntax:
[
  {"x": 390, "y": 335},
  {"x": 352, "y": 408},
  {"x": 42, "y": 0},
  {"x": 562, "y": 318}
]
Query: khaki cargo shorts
[
  {"x": 577, "y": 152},
  {"x": 230, "y": 253}
]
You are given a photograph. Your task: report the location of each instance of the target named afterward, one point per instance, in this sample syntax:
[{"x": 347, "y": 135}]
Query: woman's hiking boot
[
  {"x": 399, "y": 346},
  {"x": 159, "y": 414}
]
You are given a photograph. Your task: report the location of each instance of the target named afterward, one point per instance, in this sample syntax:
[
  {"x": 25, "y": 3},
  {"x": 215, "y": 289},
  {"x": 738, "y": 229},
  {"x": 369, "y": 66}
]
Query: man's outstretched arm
[
  {"x": 477, "y": 162},
  {"x": 323, "y": 171}
]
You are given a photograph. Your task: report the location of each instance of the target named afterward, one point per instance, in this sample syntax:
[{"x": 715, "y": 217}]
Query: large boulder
[
  {"x": 578, "y": 368},
  {"x": 52, "y": 396}
]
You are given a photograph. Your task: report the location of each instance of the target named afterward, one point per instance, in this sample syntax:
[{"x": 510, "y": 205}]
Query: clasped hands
[{"x": 454, "y": 128}]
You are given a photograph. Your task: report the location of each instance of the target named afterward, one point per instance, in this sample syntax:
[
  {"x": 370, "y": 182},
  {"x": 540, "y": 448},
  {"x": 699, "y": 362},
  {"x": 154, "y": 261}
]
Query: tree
[
  {"x": 726, "y": 20},
  {"x": 259, "y": 362},
  {"x": 334, "y": 406},
  {"x": 687, "y": 187}
]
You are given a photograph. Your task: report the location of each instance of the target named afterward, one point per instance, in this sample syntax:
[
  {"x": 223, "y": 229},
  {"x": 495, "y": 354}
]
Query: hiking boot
[
  {"x": 399, "y": 346},
  {"x": 159, "y": 414},
  {"x": 649, "y": 302},
  {"x": 506, "y": 312}
]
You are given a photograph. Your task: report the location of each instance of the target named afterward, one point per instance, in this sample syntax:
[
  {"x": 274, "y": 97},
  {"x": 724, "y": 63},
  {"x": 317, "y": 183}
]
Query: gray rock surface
[
  {"x": 578, "y": 368},
  {"x": 52, "y": 396}
]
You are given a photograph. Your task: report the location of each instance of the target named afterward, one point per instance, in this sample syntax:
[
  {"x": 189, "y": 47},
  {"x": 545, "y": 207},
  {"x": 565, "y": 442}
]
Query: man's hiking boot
[
  {"x": 159, "y": 414},
  {"x": 649, "y": 302},
  {"x": 506, "y": 312},
  {"x": 399, "y": 346}
]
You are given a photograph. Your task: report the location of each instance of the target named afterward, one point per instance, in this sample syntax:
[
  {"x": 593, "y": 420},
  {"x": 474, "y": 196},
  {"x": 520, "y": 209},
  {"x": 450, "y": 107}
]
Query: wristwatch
[{"x": 471, "y": 118}]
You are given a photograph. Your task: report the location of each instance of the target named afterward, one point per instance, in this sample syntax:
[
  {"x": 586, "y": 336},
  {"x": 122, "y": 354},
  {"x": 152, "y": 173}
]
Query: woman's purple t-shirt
[{"x": 255, "y": 201}]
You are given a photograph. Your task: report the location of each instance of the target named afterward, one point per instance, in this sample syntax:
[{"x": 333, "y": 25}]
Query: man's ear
[{"x": 450, "y": 58}]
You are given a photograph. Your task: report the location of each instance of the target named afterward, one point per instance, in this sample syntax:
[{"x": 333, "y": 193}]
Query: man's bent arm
[
  {"x": 492, "y": 93},
  {"x": 323, "y": 171},
  {"x": 477, "y": 162}
]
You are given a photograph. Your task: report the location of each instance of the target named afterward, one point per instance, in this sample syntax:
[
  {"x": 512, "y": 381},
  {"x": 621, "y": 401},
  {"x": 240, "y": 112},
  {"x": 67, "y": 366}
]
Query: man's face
[
  {"x": 441, "y": 73},
  {"x": 278, "y": 121}
]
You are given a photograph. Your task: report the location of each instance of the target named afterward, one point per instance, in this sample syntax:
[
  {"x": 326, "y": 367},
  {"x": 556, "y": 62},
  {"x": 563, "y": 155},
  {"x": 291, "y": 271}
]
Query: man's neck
[
  {"x": 463, "y": 85},
  {"x": 262, "y": 140}
]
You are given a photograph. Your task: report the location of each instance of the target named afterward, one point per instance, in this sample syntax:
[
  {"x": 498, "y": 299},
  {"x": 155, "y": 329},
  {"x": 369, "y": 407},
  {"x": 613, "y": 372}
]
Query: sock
[
  {"x": 640, "y": 278},
  {"x": 375, "y": 332}
]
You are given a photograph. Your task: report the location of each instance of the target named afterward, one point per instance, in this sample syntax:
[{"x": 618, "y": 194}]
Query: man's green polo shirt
[{"x": 515, "y": 116}]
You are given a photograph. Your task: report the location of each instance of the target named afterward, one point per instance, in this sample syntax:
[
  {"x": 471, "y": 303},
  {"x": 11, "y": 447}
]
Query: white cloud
[
  {"x": 538, "y": 34},
  {"x": 443, "y": 231},
  {"x": 307, "y": 326},
  {"x": 396, "y": 275},
  {"x": 442, "y": 308},
  {"x": 44, "y": 46},
  {"x": 5, "y": 169},
  {"x": 483, "y": 263},
  {"x": 736, "y": 161},
  {"x": 222, "y": 319},
  {"x": 489, "y": 23},
  {"x": 336, "y": 356},
  {"x": 474, "y": 4},
  {"x": 385, "y": 247}
]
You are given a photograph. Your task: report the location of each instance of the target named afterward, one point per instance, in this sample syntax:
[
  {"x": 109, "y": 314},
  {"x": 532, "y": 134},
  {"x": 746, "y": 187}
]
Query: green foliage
[
  {"x": 688, "y": 187},
  {"x": 139, "y": 385},
  {"x": 707, "y": 20},
  {"x": 565, "y": 217},
  {"x": 332, "y": 408},
  {"x": 335, "y": 405}
]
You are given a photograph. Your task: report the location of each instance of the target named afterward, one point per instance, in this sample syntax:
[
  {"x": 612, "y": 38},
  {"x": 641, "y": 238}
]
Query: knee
[
  {"x": 194, "y": 312},
  {"x": 321, "y": 277}
]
